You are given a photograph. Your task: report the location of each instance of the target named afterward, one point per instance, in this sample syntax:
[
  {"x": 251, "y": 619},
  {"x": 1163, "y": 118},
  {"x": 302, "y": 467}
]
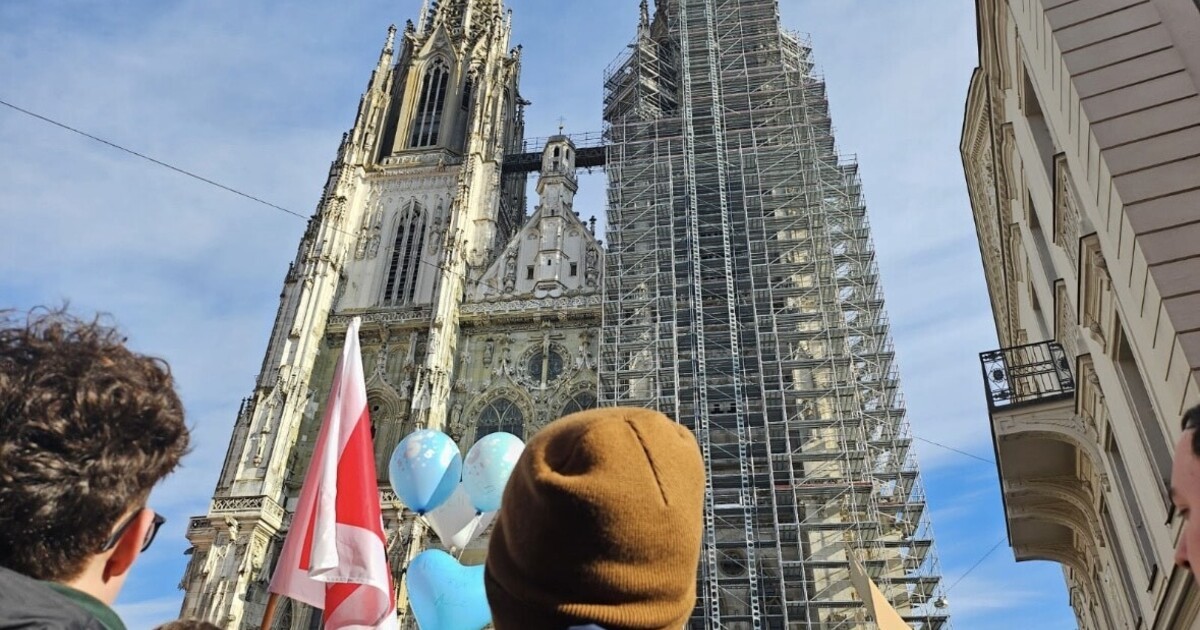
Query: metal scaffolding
[{"x": 742, "y": 297}]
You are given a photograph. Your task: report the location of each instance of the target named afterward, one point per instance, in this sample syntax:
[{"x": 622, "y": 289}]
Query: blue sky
[{"x": 256, "y": 96}]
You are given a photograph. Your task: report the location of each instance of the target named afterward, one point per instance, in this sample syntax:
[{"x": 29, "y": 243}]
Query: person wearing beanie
[{"x": 601, "y": 523}]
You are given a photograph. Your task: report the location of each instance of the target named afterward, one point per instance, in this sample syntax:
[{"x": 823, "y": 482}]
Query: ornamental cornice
[
  {"x": 416, "y": 180},
  {"x": 533, "y": 304},
  {"x": 434, "y": 161},
  {"x": 243, "y": 506},
  {"x": 339, "y": 323}
]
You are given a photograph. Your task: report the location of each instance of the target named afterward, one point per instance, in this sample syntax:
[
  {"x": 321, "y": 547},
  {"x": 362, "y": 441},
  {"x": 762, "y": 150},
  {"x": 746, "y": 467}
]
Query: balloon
[
  {"x": 456, "y": 521},
  {"x": 444, "y": 594},
  {"x": 425, "y": 468},
  {"x": 487, "y": 469}
]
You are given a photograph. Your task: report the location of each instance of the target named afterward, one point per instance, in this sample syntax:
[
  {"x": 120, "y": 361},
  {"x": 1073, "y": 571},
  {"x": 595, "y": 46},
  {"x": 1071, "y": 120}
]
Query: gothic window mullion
[
  {"x": 418, "y": 125},
  {"x": 389, "y": 293},
  {"x": 501, "y": 414},
  {"x": 414, "y": 262},
  {"x": 407, "y": 277},
  {"x": 438, "y": 106},
  {"x": 428, "y": 116}
]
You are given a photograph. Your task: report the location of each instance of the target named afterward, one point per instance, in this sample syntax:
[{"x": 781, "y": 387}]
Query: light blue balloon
[
  {"x": 489, "y": 465},
  {"x": 424, "y": 470},
  {"x": 444, "y": 594}
]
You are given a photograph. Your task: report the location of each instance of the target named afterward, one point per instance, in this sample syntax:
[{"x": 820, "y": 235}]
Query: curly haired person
[{"x": 87, "y": 429}]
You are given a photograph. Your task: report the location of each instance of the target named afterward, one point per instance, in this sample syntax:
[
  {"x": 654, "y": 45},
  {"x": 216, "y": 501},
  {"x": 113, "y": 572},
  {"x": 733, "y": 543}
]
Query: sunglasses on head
[{"x": 120, "y": 531}]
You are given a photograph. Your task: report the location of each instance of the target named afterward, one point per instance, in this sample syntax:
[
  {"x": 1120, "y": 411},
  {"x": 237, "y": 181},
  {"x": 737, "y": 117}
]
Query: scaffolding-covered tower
[{"x": 742, "y": 297}]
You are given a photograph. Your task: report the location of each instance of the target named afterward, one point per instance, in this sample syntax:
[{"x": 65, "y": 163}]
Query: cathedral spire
[
  {"x": 423, "y": 17},
  {"x": 389, "y": 46}
]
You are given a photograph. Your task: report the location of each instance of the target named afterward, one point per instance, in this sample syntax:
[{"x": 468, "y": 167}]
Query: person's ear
[{"x": 129, "y": 546}]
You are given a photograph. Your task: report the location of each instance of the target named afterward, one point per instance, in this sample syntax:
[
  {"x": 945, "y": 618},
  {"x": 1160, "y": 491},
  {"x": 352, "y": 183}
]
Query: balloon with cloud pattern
[
  {"x": 425, "y": 469},
  {"x": 444, "y": 594},
  {"x": 488, "y": 466}
]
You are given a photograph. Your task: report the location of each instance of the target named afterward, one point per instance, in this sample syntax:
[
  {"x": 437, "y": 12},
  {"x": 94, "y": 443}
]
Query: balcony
[
  {"x": 1032, "y": 374},
  {"x": 1041, "y": 445}
]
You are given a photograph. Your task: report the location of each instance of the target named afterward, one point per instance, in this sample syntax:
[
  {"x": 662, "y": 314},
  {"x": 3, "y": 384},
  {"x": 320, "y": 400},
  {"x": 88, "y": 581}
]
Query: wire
[
  {"x": 150, "y": 159},
  {"x": 976, "y": 565},
  {"x": 951, "y": 448},
  {"x": 188, "y": 173}
]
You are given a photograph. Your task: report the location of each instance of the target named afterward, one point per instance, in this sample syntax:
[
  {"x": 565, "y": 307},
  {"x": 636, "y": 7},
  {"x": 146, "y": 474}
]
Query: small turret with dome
[{"x": 554, "y": 253}]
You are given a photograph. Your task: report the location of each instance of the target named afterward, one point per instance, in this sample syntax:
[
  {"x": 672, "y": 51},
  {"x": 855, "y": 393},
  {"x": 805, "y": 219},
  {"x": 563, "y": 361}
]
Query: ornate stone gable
[{"x": 554, "y": 254}]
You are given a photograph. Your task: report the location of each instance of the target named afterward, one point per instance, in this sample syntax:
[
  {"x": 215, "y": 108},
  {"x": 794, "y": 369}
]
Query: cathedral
[{"x": 737, "y": 293}]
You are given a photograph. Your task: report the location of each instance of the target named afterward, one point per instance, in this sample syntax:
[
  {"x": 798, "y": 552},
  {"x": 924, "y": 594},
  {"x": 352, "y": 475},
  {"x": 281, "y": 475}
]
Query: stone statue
[
  {"x": 510, "y": 271},
  {"x": 435, "y": 236}
]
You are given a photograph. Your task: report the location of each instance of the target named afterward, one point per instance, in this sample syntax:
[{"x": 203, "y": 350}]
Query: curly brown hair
[{"x": 87, "y": 428}]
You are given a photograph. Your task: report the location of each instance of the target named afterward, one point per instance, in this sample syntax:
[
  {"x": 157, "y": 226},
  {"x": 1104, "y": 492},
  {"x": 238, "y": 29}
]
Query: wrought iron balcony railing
[{"x": 1023, "y": 375}]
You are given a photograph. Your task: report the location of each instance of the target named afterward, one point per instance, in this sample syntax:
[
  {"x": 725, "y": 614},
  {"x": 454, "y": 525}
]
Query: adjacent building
[
  {"x": 1081, "y": 146},
  {"x": 738, "y": 293}
]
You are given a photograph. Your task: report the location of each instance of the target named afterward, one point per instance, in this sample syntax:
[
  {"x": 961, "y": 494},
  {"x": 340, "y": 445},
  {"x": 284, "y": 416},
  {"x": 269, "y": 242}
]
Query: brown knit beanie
[{"x": 600, "y": 523}]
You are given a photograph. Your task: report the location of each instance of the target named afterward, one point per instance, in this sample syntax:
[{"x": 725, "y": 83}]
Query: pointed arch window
[
  {"x": 581, "y": 402},
  {"x": 467, "y": 93},
  {"x": 401, "y": 285},
  {"x": 501, "y": 414},
  {"x": 428, "y": 120},
  {"x": 462, "y": 122}
]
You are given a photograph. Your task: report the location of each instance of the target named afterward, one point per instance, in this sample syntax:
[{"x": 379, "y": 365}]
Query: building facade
[
  {"x": 738, "y": 294},
  {"x": 742, "y": 298},
  {"x": 1081, "y": 146}
]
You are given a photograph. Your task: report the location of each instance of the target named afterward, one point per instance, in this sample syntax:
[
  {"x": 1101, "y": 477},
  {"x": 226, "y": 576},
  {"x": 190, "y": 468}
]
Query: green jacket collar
[{"x": 96, "y": 608}]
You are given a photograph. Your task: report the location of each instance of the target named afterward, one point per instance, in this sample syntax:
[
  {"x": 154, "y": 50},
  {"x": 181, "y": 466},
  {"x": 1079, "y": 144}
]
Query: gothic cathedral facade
[{"x": 475, "y": 317}]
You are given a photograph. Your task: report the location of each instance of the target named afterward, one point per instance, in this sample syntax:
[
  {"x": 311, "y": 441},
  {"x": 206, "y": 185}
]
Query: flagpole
[{"x": 269, "y": 615}]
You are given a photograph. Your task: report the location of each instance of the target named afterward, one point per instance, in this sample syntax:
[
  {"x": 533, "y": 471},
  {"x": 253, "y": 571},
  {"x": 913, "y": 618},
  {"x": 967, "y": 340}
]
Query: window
[
  {"x": 428, "y": 119},
  {"x": 499, "y": 415},
  {"x": 1154, "y": 440},
  {"x": 468, "y": 90},
  {"x": 545, "y": 367},
  {"x": 405, "y": 263},
  {"x": 732, "y": 562},
  {"x": 581, "y": 402},
  {"x": 1041, "y": 240},
  {"x": 462, "y": 121},
  {"x": 1118, "y": 553},
  {"x": 529, "y": 272},
  {"x": 574, "y": 269},
  {"x": 1137, "y": 519},
  {"x": 1031, "y": 106}
]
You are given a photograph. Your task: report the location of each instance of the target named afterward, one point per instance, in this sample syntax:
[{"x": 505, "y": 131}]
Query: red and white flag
[{"x": 335, "y": 555}]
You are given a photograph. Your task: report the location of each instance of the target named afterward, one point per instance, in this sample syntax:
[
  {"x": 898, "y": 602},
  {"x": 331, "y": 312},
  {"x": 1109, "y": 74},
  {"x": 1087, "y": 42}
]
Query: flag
[
  {"x": 335, "y": 555},
  {"x": 879, "y": 609}
]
